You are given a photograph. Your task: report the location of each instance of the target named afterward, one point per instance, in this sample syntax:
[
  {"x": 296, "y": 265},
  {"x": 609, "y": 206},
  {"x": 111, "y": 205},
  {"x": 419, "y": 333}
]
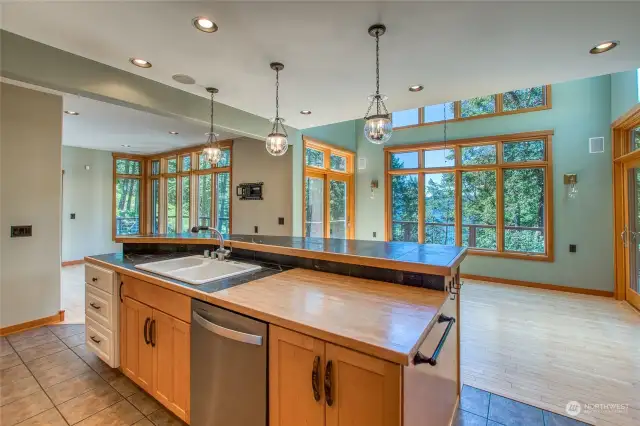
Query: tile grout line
[{"x": 39, "y": 385}]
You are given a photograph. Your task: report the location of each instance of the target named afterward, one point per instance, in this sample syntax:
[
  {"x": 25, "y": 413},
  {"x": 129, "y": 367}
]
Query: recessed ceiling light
[
  {"x": 126, "y": 146},
  {"x": 416, "y": 88},
  {"x": 604, "y": 47},
  {"x": 140, "y": 62},
  {"x": 173, "y": 133},
  {"x": 71, "y": 112},
  {"x": 205, "y": 24},
  {"x": 305, "y": 112}
]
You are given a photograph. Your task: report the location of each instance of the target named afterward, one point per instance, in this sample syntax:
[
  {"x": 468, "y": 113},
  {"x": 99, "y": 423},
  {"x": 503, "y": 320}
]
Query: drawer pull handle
[
  {"x": 94, "y": 306},
  {"x": 96, "y": 340},
  {"x": 433, "y": 359},
  {"x": 315, "y": 379},
  {"x": 146, "y": 325},
  {"x": 94, "y": 279},
  {"x": 327, "y": 384}
]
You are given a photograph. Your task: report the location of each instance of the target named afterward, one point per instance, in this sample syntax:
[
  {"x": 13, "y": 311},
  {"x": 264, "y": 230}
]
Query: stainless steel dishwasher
[{"x": 228, "y": 368}]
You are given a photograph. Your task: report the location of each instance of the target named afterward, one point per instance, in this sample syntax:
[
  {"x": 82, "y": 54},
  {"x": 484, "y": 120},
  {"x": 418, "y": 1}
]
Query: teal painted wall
[
  {"x": 624, "y": 92},
  {"x": 581, "y": 109},
  {"x": 339, "y": 134}
]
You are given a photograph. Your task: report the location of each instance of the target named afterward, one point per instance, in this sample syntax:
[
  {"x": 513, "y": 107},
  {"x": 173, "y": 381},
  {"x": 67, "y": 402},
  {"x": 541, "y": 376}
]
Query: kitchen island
[{"x": 329, "y": 323}]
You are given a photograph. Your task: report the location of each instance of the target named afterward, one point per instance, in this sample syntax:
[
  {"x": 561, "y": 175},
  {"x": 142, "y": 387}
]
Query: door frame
[
  {"x": 327, "y": 174},
  {"x": 623, "y": 158}
]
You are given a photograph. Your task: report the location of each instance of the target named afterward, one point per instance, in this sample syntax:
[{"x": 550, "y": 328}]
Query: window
[
  {"x": 127, "y": 187},
  {"x": 183, "y": 190},
  {"x": 635, "y": 139},
  {"x": 328, "y": 201},
  {"x": 496, "y": 200},
  {"x": 404, "y": 160},
  {"x": 513, "y": 102}
]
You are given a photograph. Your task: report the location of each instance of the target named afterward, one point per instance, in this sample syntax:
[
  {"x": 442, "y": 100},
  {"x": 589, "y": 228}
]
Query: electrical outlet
[
  {"x": 374, "y": 234},
  {"x": 281, "y": 221},
  {"x": 73, "y": 215},
  {"x": 255, "y": 229},
  {"x": 573, "y": 248},
  {"x": 21, "y": 231}
]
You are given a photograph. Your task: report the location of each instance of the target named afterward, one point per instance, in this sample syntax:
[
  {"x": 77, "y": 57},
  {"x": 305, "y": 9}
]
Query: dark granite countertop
[
  {"x": 129, "y": 261},
  {"x": 412, "y": 257}
]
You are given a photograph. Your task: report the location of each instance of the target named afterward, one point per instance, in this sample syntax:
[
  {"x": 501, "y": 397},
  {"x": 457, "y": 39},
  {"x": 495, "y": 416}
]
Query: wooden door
[
  {"x": 631, "y": 232},
  {"x": 136, "y": 355},
  {"x": 171, "y": 363},
  {"x": 291, "y": 363},
  {"x": 364, "y": 390}
]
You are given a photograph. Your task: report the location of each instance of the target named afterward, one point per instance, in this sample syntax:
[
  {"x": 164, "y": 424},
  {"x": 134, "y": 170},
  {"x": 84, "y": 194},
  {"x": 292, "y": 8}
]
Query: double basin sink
[{"x": 198, "y": 269}]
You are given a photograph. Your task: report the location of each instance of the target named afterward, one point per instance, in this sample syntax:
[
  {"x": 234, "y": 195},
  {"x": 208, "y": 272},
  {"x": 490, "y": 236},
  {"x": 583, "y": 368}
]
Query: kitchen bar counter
[
  {"x": 400, "y": 256},
  {"x": 385, "y": 320}
]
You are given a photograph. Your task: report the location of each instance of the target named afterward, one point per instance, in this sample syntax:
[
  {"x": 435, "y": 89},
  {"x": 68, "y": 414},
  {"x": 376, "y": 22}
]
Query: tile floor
[
  {"x": 48, "y": 377},
  {"x": 481, "y": 408}
]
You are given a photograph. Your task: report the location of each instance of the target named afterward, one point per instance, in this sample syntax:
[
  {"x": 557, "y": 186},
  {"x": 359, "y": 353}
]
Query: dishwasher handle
[{"x": 227, "y": 333}]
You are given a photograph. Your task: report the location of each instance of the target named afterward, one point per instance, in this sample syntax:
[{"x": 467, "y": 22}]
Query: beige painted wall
[
  {"x": 252, "y": 163},
  {"x": 88, "y": 194},
  {"x": 30, "y": 190}
]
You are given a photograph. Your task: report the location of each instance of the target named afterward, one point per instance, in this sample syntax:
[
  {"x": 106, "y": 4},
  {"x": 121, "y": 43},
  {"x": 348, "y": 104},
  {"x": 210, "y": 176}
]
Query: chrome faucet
[{"x": 221, "y": 253}]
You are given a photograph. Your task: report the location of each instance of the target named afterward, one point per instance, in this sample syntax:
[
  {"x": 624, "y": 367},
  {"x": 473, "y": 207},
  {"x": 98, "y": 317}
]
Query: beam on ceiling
[{"x": 36, "y": 63}]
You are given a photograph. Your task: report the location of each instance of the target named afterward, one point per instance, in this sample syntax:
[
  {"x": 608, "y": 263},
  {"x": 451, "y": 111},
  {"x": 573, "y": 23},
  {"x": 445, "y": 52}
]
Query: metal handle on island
[
  {"x": 315, "y": 378},
  {"x": 95, "y": 340},
  {"x": 146, "y": 325},
  {"x": 419, "y": 358}
]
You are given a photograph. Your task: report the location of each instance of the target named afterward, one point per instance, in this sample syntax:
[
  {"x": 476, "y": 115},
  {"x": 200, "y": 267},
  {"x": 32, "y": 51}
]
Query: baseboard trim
[
  {"x": 59, "y": 317},
  {"x": 566, "y": 289},
  {"x": 72, "y": 262}
]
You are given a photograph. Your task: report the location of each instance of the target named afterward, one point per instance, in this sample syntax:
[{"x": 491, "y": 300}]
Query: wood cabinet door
[
  {"x": 136, "y": 355},
  {"x": 171, "y": 363},
  {"x": 291, "y": 364},
  {"x": 364, "y": 390}
]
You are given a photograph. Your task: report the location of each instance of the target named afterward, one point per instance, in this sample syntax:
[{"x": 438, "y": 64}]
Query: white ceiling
[
  {"x": 457, "y": 50},
  {"x": 105, "y": 126}
]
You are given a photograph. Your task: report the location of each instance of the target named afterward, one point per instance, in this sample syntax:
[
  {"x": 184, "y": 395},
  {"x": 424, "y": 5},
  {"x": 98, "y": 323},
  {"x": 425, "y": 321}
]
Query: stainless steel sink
[{"x": 198, "y": 269}]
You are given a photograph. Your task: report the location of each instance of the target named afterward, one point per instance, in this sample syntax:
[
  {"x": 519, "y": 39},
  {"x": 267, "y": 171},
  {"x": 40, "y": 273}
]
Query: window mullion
[
  {"x": 499, "y": 103},
  {"x": 421, "y": 201},
  {"x": 499, "y": 209},
  {"x": 458, "y": 203},
  {"x": 214, "y": 200},
  {"x": 457, "y": 110}
]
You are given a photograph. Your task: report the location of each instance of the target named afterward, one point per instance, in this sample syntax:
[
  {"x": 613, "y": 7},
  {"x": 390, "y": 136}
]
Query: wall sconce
[
  {"x": 374, "y": 185},
  {"x": 571, "y": 179}
]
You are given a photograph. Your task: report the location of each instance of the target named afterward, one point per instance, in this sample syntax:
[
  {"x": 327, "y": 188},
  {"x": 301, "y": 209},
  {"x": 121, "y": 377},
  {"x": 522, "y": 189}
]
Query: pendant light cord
[
  {"x": 211, "y": 119},
  {"x": 378, "y": 72},
  {"x": 277, "y": 94}
]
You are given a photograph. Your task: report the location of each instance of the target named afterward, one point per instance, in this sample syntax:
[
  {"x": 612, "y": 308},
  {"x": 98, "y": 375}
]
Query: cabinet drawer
[
  {"x": 100, "y": 341},
  {"x": 99, "y": 277},
  {"x": 100, "y": 306}
]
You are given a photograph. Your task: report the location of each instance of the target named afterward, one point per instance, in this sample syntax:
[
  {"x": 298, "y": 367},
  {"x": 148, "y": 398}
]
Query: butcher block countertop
[
  {"x": 385, "y": 320},
  {"x": 397, "y": 255}
]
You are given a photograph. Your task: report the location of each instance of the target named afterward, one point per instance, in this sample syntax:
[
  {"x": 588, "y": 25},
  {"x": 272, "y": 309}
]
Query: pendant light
[
  {"x": 212, "y": 151},
  {"x": 377, "y": 127},
  {"x": 276, "y": 142}
]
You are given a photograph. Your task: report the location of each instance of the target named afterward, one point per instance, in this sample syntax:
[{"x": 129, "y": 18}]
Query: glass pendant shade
[
  {"x": 378, "y": 129},
  {"x": 212, "y": 154},
  {"x": 277, "y": 144}
]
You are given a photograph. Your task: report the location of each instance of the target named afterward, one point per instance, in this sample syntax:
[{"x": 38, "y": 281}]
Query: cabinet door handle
[
  {"x": 94, "y": 279},
  {"x": 146, "y": 325},
  {"x": 152, "y": 332},
  {"x": 433, "y": 359},
  {"x": 94, "y": 306},
  {"x": 315, "y": 378},
  {"x": 327, "y": 384},
  {"x": 95, "y": 340},
  {"x": 121, "y": 284}
]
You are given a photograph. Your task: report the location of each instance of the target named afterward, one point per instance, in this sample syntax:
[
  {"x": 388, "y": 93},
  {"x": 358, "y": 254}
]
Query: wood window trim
[
  {"x": 622, "y": 155},
  {"x": 146, "y": 179},
  {"x": 457, "y": 111},
  {"x": 458, "y": 168},
  {"x": 141, "y": 186},
  {"x": 326, "y": 174}
]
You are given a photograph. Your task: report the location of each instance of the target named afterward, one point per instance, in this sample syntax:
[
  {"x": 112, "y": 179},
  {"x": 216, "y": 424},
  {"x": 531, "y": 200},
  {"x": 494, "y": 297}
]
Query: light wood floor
[
  {"x": 546, "y": 348},
  {"x": 72, "y": 294}
]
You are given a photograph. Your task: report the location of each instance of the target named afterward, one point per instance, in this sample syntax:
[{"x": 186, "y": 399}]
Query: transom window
[
  {"x": 492, "y": 195},
  {"x": 328, "y": 188},
  {"x": 513, "y": 102}
]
